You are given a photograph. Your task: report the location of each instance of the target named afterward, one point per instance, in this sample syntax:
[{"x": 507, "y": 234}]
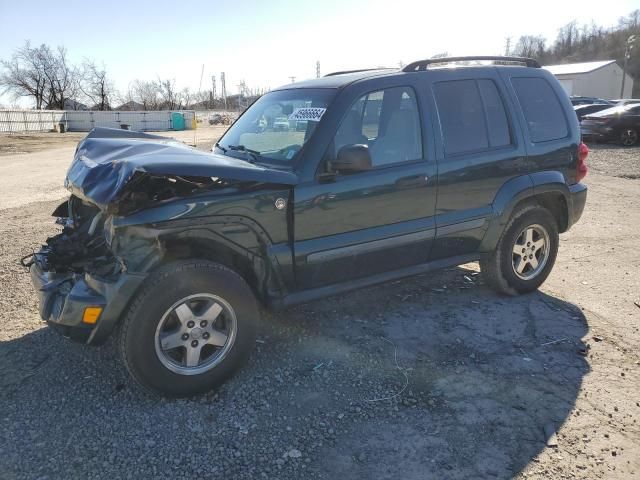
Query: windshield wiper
[
  {"x": 253, "y": 154},
  {"x": 224, "y": 150}
]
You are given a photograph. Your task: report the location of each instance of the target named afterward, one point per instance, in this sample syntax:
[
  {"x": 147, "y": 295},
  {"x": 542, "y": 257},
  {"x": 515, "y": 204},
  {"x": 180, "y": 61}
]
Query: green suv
[{"x": 320, "y": 187}]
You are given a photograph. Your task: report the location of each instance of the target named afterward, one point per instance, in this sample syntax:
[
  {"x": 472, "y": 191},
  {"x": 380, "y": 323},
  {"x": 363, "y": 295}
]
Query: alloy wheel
[
  {"x": 195, "y": 334},
  {"x": 530, "y": 252}
]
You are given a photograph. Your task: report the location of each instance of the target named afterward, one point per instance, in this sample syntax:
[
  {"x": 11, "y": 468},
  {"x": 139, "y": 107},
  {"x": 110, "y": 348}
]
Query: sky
[{"x": 265, "y": 43}]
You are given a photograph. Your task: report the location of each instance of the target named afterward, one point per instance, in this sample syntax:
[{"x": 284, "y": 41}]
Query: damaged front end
[
  {"x": 82, "y": 287},
  {"x": 138, "y": 200}
]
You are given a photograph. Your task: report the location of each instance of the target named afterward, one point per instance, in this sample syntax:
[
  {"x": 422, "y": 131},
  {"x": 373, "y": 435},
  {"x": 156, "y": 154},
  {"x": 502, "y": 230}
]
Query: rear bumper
[
  {"x": 63, "y": 297},
  {"x": 576, "y": 201}
]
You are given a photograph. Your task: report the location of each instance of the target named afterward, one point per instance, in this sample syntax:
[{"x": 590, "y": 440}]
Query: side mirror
[{"x": 352, "y": 158}]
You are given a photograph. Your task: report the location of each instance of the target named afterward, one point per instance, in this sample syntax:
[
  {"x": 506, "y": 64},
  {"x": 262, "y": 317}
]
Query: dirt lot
[
  {"x": 431, "y": 377},
  {"x": 202, "y": 137}
]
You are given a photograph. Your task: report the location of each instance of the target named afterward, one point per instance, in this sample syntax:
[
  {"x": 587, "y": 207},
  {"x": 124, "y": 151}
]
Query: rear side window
[
  {"x": 499, "y": 135},
  {"x": 472, "y": 116},
  {"x": 541, "y": 108}
]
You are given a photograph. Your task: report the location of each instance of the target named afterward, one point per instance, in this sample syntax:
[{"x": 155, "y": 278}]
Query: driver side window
[{"x": 387, "y": 122}]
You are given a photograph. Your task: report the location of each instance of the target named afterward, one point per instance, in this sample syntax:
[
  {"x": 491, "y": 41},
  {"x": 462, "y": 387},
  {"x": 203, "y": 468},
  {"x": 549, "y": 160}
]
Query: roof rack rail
[
  {"x": 424, "y": 64},
  {"x": 344, "y": 72}
]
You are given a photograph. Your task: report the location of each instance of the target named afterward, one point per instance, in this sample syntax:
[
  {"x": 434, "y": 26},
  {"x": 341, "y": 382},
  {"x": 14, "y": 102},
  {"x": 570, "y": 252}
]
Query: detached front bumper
[{"x": 63, "y": 298}]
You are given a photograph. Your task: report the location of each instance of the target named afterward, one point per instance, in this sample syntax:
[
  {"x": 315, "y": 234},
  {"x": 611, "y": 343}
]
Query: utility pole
[
  {"x": 293, "y": 79},
  {"x": 224, "y": 90},
  {"x": 627, "y": 53},
  {"x": 201, "y": 74},
  {"x": 213, "y": 91},
  {"x": 318, "y": 69},
  {"x": 242, "y": 93}
]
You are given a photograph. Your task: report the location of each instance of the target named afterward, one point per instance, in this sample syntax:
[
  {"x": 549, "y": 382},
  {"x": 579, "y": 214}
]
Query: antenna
[{"x": 318, "y": 69}]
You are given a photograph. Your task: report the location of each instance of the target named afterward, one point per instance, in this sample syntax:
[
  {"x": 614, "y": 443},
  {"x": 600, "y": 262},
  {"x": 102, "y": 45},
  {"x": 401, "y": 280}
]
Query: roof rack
[
  {"x": 424, "y": 64},
  {"x": 344, "y": 72}
]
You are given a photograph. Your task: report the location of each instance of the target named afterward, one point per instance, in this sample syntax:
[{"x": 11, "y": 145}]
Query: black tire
[
  {"x": 498, "y": 267},
  {"x": 629, "y": 137},
  {"x": 170, "y": 284}
]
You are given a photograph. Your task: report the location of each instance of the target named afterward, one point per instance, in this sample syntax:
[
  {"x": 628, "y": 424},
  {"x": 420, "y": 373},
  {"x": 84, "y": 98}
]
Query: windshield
[{"x": 277, "y": 125}]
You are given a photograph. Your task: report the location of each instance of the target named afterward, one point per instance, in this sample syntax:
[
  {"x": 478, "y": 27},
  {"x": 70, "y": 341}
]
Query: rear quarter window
[
  {"x": 472, "y": 116},
  {"x": 462, "y": 117},
  {"x": 541, "y": 108}
]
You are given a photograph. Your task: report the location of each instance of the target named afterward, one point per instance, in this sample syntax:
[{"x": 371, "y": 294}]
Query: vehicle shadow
[
  {"x": 429, "y": 377},
  {"x": 489, "y": 378}
]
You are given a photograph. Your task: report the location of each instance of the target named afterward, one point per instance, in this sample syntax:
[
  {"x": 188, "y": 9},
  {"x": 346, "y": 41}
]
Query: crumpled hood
[{"x": 106, "y": 160}]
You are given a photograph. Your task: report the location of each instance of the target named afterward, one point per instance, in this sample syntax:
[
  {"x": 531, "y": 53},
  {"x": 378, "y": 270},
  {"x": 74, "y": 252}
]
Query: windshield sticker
[{"x": 307, "y": 113}]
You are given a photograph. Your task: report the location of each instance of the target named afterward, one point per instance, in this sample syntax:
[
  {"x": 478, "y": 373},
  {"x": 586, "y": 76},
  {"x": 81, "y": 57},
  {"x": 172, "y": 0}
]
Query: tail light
[{"x": 581, "y": 167}]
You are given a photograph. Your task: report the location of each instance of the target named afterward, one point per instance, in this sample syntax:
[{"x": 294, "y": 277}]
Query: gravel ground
[
  {"x": 609, "y": 159},
  {"x": 430, "y": 377}
]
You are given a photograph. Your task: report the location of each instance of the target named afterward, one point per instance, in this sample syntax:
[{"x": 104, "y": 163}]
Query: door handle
[{"x": 412, "y": 181}]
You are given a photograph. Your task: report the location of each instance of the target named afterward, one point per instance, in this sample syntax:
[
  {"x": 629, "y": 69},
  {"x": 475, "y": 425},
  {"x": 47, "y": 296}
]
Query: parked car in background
[
  {"x": 215, "y": 119},
  {"x": 281, "y": 124},
  {"x": 579, "y": 100},
  {"x": 625, "y": 101},
  {"x": 620, "y": 124},
  {"x": 586, "y": 109}
]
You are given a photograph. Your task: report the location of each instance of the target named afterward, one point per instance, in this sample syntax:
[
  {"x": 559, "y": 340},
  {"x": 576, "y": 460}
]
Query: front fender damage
[{"x": 144, "y": 248}]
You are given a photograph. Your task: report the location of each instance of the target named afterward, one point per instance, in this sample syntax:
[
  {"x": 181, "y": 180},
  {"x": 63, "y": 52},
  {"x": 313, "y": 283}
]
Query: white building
[{"x": 593, "y": 79}]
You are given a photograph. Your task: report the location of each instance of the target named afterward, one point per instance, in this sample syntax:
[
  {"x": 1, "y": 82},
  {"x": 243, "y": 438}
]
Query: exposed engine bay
[{"x": 80, "y": 246}]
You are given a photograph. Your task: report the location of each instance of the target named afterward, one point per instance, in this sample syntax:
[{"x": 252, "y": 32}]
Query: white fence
[{"x": 23, "y": 121}]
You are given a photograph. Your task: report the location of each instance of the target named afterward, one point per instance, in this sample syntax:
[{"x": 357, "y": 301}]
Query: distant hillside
[{"x": 585, "y": 43}]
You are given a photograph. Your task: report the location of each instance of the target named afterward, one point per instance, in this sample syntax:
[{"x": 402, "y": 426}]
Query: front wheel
[
  {"x": 190, "y": 328},
  {"x": 525, "y": 253}
]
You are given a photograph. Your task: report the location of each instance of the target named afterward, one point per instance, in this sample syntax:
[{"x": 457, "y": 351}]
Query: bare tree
[
  {"x": 530, "y": 46},
  {"x": 96, "y": 85},
  {"x": 185, "y": 98},
  {"x": 168, "y": 93},
  {"x": 567, "y": 39},
  {"x": 24, "y": 76},
  {"x": 41, "y": 73},
  {"x": 146, "y": 94},
  {"x": 62, "y": 78}
]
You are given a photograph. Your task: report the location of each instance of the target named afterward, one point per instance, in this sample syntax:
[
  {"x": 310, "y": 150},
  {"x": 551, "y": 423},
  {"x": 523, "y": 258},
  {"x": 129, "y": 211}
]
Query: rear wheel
[
  {"x": 525, "y": 253},
  {"x": 629, "y": 137},
  {"x": 190, "y": 328}
]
